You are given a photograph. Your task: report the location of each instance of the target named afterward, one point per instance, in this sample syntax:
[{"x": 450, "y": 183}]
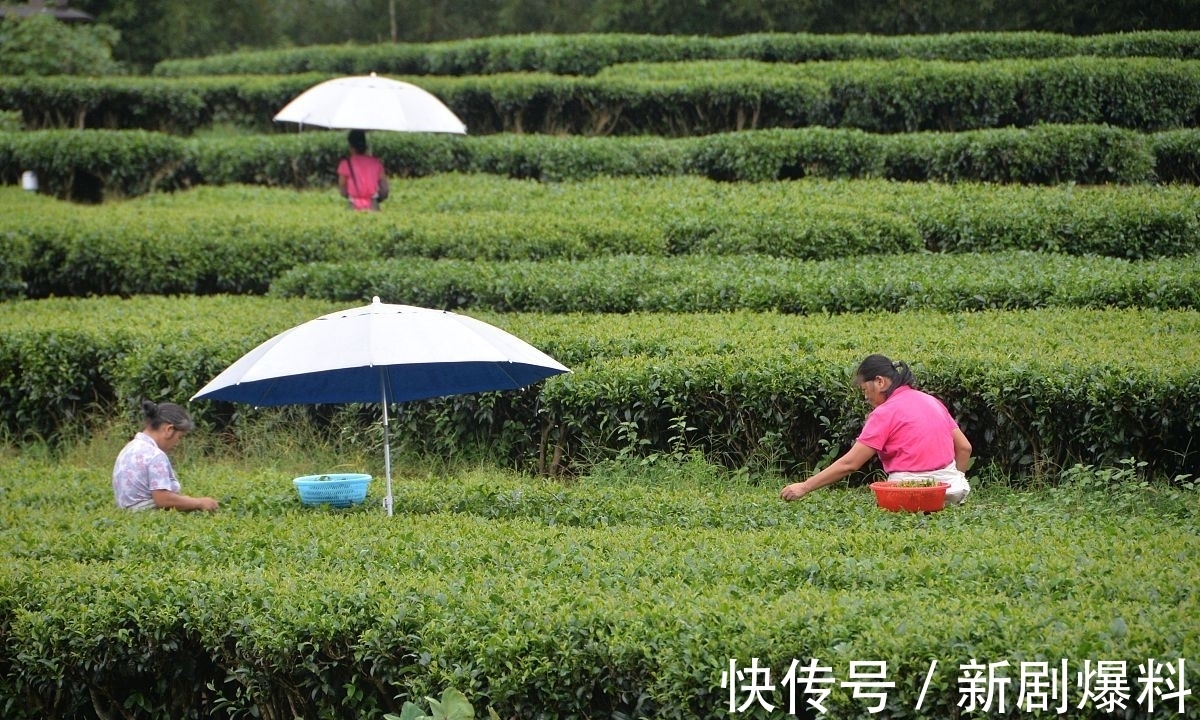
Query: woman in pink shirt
[
  {"x": 911, "y": 432},
  {"x": 361, "y": 178}
]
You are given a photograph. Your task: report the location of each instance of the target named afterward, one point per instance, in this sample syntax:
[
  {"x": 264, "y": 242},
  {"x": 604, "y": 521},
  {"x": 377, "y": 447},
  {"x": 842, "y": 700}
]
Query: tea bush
[
  {"x": 1043, "y": 155},
  {"x": 629, "y": 283},
  {"x": 92, "y": 166},
  {"x": 240, "y": 239},
  {"x": 751, "y": 384},
  {"x": 586, "y": 54},
  {"x": 539, "y": 598},
  {"x": 678, "y": 99}
]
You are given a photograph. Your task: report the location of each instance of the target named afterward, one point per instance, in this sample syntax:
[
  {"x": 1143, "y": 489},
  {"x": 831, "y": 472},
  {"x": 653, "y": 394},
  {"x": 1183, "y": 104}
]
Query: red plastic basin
[{"x": 897, "y": 498}]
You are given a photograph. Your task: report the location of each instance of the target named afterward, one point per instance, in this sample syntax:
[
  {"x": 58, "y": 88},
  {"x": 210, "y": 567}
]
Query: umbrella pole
[{"x": 387, "y": 447}]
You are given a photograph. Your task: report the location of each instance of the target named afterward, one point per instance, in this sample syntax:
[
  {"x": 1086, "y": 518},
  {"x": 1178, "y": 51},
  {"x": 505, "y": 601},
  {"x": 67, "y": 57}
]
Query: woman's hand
[
  {"x": 795, "y": 491},
  {"x": 168, "y": 500},
  {"x": 855, "y": 458}
]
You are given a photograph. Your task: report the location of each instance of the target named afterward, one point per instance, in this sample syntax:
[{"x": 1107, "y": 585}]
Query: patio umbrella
[
  {"x": 370, "y": 102},
  {"x": 385, "y": 353}
]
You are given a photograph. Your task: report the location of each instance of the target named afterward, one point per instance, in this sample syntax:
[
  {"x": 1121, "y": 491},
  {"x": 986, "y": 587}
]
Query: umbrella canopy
[
  {"x": 369, "y": 102},
  {"x": 381, "y": 353}
]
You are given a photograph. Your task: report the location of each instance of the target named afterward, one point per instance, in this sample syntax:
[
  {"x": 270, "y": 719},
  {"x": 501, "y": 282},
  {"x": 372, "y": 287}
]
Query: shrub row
[
  {"x": 587, "y": 54},
  {"x": 240, "y": 240},
  {"x": 625, "y": 283},
  {"x": 1146, "y": 94},
  {"x": 266, "y": 610},
  {"x": 1090, "y": 384},
  {"x": 678, "y": 99},
  {"x": 92, "y": 166}
]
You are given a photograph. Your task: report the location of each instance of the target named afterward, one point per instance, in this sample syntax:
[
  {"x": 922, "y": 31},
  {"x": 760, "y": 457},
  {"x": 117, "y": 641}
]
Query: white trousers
[{"x": 959, "y": 487}]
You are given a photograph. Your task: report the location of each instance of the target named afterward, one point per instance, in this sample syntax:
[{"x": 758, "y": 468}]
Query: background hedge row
[
  {"x": 587, "y": 54},
  {"x": 750, "y": 388},
  {"x": 677, "y": 99},
  {"x": 631, "y": 283},
  {"x": 91, "y": 166},
  {"x": 240, "y": 240}
]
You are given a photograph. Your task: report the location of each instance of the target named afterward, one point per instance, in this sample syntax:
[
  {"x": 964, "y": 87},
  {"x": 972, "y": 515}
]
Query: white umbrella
[
  {"x": 381, "y": 352},
  {"x": 369, "y": 102}
]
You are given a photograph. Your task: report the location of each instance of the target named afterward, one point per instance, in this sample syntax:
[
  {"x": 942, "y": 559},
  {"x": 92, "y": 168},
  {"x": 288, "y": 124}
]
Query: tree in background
[
  {"x": 152, "y": 30},
  {"x": 41, "y": 45},
  {"x": 314, "y": 22},
  {"x": 1070, "y": 17}
]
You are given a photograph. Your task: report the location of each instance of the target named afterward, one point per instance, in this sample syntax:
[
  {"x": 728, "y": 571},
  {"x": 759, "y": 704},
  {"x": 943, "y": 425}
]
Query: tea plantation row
[
  {"x": 240, "y": 239},
  {"x": 638, "y": 283},
  {"x": 676, "y": 99},
  {"x": 94, "y": 165},
  {"x": 542, "y": 599},
  {"x": 1034, "y": 390},
  {"x": 587, "y": 54}
]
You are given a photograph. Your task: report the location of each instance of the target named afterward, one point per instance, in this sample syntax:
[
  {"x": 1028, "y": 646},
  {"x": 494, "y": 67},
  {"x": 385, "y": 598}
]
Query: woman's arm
[
  {"x": 168, "y": 500},
  {"x": 855, "y": 458},
  {"x": 962, "y": 451}
]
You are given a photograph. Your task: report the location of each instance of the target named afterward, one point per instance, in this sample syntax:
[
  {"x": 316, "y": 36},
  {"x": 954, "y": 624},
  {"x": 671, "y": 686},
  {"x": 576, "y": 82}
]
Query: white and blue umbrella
[{"x": 381, "y": 353}]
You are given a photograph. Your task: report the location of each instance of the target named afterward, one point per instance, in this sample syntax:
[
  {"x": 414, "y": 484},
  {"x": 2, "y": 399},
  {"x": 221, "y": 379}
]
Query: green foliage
[
  {"x": 66, "y": 371},
  {"x": 156, "y": 104},
  {"x": 10, "y": 121},
  {"x": 682, "y": 99},
  {"x": 231, "y": 244},
  {"x": 1176, "y": 156},
  {"x": 587, "y": 54},
  {"x": 90, "y": 166},
  {"x": 240, "y": 239},
  {"x": 453, "y": 706},
  {"x": 537, "y": 595},
  {"x": 908, "y": 95},
  {"x": 627, "y": 283},
  {"x": 40, "y": 45},
  {"x": 53, "y": 381},
  {"x": 1043, "y": 155},
  {"x": 1039, "y": 155},
  {"x": 540, "y": 597},
  {"x": 759, "y": 388}
]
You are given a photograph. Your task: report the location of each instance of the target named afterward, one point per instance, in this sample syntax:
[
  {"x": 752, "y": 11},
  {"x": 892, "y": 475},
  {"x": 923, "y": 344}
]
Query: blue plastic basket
[{"x": 334, "y": 489}]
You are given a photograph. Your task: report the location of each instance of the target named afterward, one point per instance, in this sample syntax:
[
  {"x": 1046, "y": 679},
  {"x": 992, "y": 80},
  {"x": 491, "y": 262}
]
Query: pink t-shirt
[
  {"x": 363, "y": 182},
  {"x": 911, "y": 432}
]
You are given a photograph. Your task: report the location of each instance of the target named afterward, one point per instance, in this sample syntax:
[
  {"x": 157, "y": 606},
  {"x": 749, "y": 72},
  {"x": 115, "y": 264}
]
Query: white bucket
[{"x": 29, "y": 181}]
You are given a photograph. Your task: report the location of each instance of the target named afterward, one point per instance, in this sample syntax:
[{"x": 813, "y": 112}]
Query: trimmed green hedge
[
  {"x": 92, "y": 165},
  {"x": 905, "y": 95},
  {"x": 587, "y": 54},
  {"x": 625, "y": 283},
  {"x": 128, "y": 249},
  {"x": 241, "y": 239},
  {"x": 177, "y": 106},
  {"x": 591, "y": 598},
  {"x": 680, "y": 99},
  {"x": 1090, "y": 386},
  {"x": 1176, "y": 156}
]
